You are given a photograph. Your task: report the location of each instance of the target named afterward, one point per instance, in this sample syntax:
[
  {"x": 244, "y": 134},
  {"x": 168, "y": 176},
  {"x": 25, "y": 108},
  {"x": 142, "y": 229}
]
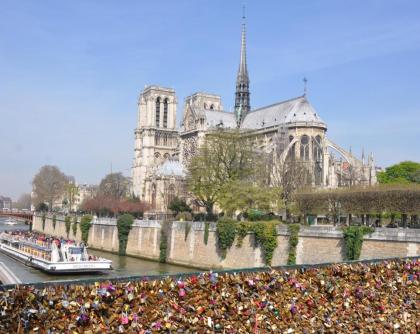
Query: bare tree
[
  {"x": 24, "y": 202},
  {"x": 49, "y": 185},
  {"x": 290, "y": 176},
  {"x": 72, "y": 191},
  {"x": 114, "y": 185}
]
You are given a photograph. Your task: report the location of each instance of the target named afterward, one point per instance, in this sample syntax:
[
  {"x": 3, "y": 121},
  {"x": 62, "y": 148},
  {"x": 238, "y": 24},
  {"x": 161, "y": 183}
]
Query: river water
[{"x": 123, "y": 265}]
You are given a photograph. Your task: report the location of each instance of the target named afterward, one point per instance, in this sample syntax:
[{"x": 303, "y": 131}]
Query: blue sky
[{"x": 71, "y": 73}]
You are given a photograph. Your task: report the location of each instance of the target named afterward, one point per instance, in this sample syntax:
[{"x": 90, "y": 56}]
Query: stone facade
[{"x": 315, "y": 245}]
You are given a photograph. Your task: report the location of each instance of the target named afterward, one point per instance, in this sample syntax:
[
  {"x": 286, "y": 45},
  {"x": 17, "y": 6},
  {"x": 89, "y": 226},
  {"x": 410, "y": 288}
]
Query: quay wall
[{"x": 186, "y": 246}]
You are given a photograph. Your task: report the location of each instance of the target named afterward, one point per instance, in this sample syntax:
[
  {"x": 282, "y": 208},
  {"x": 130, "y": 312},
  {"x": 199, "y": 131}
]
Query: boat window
[{"x": 75, "y": 250}]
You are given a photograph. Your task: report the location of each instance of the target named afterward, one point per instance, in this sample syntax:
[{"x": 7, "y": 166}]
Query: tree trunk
[
  {"x": 414, "y": 221},
  {"x": 392, "y": 218},
  {"x": 404, "y": 220},
  {"x": 209, "y": 208}
]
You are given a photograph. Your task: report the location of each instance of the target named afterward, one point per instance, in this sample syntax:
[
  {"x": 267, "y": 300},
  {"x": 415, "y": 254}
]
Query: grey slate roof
[
  {"x": 214, "y": 118},
  {"x": 295, "y": 111}
]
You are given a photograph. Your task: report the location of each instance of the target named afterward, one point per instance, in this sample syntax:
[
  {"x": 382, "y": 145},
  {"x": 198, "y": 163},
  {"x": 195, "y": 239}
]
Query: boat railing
[{"x": 35, "y": 245}]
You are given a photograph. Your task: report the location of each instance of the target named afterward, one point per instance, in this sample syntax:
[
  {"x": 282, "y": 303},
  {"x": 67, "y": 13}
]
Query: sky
[{"x": 71, "y": 73}]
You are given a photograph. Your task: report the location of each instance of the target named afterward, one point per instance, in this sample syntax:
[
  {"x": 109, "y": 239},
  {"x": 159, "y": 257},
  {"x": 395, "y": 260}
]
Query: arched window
[
  {"x": 165, "y": 113},
  {"x": 317, "y": 149},
  {"x": 205, "y": 105},
  {"x": 157, "y": 117},
  {"x": 212, "y": 107},
  {"x": 304, "y": 147},
  {"x": 170, "y": 195},
  {"x": 318, "y": 159}
]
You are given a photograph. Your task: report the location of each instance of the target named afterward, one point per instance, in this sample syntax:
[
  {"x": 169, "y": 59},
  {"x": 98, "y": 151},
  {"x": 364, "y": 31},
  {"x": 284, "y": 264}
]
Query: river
[{"x": 123, "y": 265}]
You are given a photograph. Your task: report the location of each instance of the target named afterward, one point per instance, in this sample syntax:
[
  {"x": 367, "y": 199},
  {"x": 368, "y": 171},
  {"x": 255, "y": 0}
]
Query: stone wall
[{"x": 317, "y": 244}]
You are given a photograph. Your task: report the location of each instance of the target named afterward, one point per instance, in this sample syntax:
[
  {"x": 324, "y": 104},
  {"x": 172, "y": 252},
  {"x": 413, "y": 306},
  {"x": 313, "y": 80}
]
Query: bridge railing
[{"x": 189, "y": 274}]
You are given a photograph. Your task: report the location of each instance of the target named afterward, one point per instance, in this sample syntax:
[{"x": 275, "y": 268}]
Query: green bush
[
  {"x": 74, "y": 226},
  {"x": 225, "y": 231},
  {"x": 242, "y": 230},
  {"x": 187, "y": 230},
  {"x": 255, "y": 215},
  {"x": 54, "y": 221},
  {"x": 163, "y": 246},
  {"x": 266, "y": 238},
  {"x": 67, "y": 221},
  {"x": 44, "y": 218},
  {"x": 206, "y": 232},
  {"x": 293, "y": 230},
  {"x": 124, "y": 224},
  {"x": 353, "y": 240},
  {"x": 178, "y": 205},
  {"x": 41, "y": 207},
  {"x": 85, "y": 224},
  {"x": 205, "y": 217}
]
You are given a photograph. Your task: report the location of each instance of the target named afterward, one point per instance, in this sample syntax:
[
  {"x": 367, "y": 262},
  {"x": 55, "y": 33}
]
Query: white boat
[
  {"x": 11, "y": 221},
  {"x": 53, "y": 257}
]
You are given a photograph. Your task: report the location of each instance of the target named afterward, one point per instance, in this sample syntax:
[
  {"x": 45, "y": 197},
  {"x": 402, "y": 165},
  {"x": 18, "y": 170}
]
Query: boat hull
[{"x": 57, "y": 267}]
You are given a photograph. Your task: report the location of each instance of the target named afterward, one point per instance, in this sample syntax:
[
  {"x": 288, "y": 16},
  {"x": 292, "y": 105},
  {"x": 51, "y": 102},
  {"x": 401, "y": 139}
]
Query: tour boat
[
  {"x": 10, "y": 221},
  {"x": 54, "y": 257}
]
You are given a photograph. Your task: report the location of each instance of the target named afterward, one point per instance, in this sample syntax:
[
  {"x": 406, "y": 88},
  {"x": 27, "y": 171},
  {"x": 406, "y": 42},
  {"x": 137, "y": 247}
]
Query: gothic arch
[
  {"x": 157, "y": 111},
  {"x": 170, "y": 194},
  {"x": 304, "y": 147},
  {"x": 165, "y": 112}
]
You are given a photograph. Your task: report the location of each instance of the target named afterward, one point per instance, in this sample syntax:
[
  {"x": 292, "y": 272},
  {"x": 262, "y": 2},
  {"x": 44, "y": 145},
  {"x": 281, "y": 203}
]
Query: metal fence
[{"x": 189, "y": 274}]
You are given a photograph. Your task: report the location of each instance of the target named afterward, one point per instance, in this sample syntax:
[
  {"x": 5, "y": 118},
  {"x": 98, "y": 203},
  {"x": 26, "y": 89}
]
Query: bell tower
[{"x": 156, "y": 137}]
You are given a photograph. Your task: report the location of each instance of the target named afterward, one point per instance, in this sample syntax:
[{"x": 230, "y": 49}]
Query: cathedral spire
[{"x": 242, "y": 80}]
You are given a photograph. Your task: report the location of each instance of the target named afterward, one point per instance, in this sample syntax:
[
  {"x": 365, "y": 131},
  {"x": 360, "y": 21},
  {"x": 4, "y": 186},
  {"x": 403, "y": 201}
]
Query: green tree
[
  {"x": 179, "y": 205},
  {"x": 404, "y": 172},
  {"x": 41, "y": 207},
  {"x": 225, "y": 156},
  {"x": 124, "y": 224},
  {"x": 24, "y": 202},
  {"x": 85, "y": 224},
  {"x": 242, "y": 196}
]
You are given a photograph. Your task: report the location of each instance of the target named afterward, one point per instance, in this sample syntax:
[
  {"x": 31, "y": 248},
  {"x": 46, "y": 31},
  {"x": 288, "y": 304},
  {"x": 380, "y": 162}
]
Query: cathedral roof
[
  {"x": 170, "y": 168},
  {"x": 217, "y": 118},
  {"x": 297, "y": 111}
]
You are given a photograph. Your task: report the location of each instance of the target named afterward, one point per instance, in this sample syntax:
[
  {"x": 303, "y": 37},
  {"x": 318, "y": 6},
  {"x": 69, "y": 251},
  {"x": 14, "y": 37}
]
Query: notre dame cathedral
[{"x": 291, "y": 128}]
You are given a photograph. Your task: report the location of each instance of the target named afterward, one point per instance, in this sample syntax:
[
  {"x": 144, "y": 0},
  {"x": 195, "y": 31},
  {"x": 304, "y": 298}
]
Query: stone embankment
[{"x": 185, "y": 244}]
